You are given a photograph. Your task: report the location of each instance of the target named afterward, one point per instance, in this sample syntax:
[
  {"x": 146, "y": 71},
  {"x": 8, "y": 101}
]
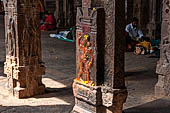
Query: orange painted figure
[{"x": 86, "y": 56}]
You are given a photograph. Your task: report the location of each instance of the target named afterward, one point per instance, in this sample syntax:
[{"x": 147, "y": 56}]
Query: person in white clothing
[{"x": 133, "y": 34}]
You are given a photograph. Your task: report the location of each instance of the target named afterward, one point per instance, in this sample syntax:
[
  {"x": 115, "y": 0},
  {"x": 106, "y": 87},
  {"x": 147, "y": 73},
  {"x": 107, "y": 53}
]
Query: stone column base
[
  {"x": 87, "y": 99},
  {"x": 25, "y": 93},
  {"x": 159, "y": 87},
  {"x": 97, "y": 99},
  {"x": 113, "y": 99},
  {"x": 24, "y": 81}
]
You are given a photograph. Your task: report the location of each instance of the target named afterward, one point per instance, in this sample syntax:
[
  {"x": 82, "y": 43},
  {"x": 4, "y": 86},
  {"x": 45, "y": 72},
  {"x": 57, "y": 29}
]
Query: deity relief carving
[{"x": 86, "y": 56}]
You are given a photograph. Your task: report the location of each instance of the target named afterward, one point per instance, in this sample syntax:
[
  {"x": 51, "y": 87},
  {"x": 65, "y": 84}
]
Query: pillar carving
[
  {"x": 163, "y": 67},
  {"x": 23, "y": 66},
  {"x": 100, "y": 85}
]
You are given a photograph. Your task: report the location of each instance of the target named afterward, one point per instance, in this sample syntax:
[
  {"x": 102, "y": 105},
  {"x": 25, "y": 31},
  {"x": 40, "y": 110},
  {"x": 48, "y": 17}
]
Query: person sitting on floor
[
  {"x": 50, "y": 22},
  {"x": 133, "y": 34}
]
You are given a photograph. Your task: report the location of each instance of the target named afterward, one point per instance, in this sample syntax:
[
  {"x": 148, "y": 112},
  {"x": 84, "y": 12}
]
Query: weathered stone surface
[
  {"x": 154, "y": 22},
  {"x": 100, "y": 57},
  {"x": 113, "y": 99},
  {"x": 87, "y": 99},
  {"x": 65, "y": 14},
  {"x": 163, "y": 66},
  {"x": 23, "y": 66},
  {"x": 114, "y": 44}
]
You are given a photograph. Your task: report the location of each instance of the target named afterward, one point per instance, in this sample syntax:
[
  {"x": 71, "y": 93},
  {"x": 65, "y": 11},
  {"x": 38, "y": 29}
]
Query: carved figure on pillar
[
  {"x": 23, "y": 66},
  {"x": 86, "y": 57}
]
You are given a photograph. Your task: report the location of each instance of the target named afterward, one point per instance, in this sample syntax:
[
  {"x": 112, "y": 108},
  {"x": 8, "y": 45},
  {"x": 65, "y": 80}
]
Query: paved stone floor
[{"x": 59, "y": 57}]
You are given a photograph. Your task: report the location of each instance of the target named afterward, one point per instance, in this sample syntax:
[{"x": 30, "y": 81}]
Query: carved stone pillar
[
  {"x": 100, "y": 85},
  {"x": 23, "y": 66},
  {"x": 163, "y": 67},
  {"x": 152, "y": 19}
]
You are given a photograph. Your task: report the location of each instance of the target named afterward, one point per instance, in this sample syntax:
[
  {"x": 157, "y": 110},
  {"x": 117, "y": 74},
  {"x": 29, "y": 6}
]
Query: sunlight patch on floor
[
  {"x": 45, "y": 99},
  {"x": 50, "y": 83}
]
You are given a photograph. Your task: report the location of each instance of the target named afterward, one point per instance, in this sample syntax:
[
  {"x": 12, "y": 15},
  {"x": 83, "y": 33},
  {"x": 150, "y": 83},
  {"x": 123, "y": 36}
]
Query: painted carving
[
  {"x": 86, "y": 43},
  {"x": 86, "y": 55}
]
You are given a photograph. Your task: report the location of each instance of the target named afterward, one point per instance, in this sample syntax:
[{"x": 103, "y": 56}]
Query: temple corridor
[{"x": 59, "y": 58}]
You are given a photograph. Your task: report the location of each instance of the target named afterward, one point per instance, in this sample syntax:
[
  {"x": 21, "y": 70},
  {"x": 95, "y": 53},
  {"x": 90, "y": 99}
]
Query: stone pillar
[
  {"x": 137, "y": 9},
  {"x": 141, "y": 12},
  {"x": 70, "y": 13},
  {"x": 65, "y": 12},
  {"x": 162, "y": 87},
  {"x": 152, "y": 20},
  {"x": 59, "y": 13},
  {"x": 77, "y": 3},
  {"x": 23, "y": 66},
  {"x": 56, "y": 14},
  {"x": 100, "y": 85},
  {"x": 129, "y": 11}
]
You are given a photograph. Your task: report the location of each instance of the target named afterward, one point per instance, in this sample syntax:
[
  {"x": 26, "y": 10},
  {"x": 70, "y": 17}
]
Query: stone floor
[{"x": 59, "y": 57}]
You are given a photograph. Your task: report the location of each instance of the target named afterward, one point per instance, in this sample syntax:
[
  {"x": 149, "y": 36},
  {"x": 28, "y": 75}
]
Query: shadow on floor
[
  {"x": 135, "y": 73},
  {"x": 65, "y": 94},
  {"x": 57, "y": 92},
  {"x": 157, "y": 106},
  {"x": 36, "y": 109}
]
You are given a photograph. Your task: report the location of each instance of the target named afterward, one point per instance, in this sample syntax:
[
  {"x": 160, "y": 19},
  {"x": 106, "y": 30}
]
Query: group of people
[{"x": 135, "y": 40}]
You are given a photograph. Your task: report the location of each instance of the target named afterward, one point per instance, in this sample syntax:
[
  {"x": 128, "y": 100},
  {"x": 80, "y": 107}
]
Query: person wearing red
[{"x": 50, "y": 23}]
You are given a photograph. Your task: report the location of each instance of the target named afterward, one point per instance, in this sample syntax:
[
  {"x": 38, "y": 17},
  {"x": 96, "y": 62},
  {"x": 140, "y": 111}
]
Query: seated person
[
  {"x": 132, "y": 33},
  {"x": 50, "y": 22}
]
